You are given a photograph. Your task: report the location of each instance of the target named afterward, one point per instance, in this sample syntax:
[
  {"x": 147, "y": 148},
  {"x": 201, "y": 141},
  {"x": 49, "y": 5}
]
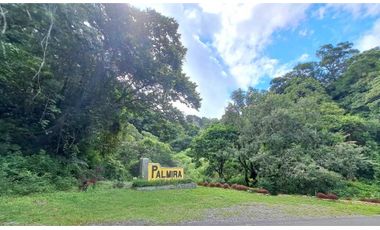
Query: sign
[{"x": 156, "y": 172}]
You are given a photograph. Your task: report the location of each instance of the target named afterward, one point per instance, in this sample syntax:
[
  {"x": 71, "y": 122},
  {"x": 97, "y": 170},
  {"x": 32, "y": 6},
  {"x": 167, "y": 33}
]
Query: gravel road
[{"x": 272, "y": 215}]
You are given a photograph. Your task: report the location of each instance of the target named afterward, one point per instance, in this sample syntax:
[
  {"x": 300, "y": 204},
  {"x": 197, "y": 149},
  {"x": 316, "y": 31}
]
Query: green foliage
[
  {"x": 236, "y": 180},
  {"x": 122, "y": 160},
  {"x": 359, "y": 189},
  {"x": 145, "y": 183},
  {"x": 36, "y": 173},
  {"x": 358, "y": 88},
  {"x": 215, "y": 144},
  {"x": 93, "y": 85},
  {"x": 197, "y": 174},
  {"x": 74, "y": 76},
  {"x": 334, "y": 60}
]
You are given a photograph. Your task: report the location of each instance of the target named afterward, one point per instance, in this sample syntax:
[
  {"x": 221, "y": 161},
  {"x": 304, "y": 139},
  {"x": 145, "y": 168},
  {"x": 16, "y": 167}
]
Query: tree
[
  {"x": 215, "y": 144},
  {"x": 98, "y": 64},
  {"x": 358, "y": 90},
  {"x": 310, "y": 70},
  {"x": 334, "y": 60}
]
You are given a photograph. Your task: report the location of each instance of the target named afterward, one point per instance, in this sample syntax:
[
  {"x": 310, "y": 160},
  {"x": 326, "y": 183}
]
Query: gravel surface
[{"x": 271, "y": 215}]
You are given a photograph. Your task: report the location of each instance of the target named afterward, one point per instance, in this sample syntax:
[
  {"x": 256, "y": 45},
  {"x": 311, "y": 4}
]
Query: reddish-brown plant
[
  {"x": 262, "y": 190},
  {"x": 371, "y": 200},
  {"x": 226, "y": 186},
  {"x": 331, "y": 196},
  {"x": 219, "y": 185},
  {"x": 321, "y": 195},
  {"x": 241, "y": 187}
]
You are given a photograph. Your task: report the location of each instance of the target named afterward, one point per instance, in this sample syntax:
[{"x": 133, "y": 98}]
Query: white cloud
[
  {"x": 303, "y": 58},
  {"x": 370, "y": 39},
  {"x": 186, "y": 110},
  {"x": 320, "y": 13},
  {"x": 214, "y": 82},
  {"x": 305, "y": 32},
  {"x": 355, "y": 9},
  {"x": 226, "y": 44},
  {"x": 246, "y": 29}
]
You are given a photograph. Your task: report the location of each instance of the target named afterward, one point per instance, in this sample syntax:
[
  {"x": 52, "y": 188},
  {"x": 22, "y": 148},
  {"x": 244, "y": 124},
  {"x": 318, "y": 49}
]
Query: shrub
[
  {"x": 219, "y": 185},
  {"x": 262, "y": 190},
  {"x": 206, "y": 184},
  {"x": 321, "y": 195},
  {"x": 241, "y": 187},
  {"x": 270, "y": 184},
  {"x": 332, "y": 196},
  {"x": 118, "y": 184},
  {"x": 212, "y": 184},
  {"x": 32, "y": 174},
  {"x": 370, "y": 200},
  {"x": 226, "y": 186},
  {"x": 237, "y": 180},
  {"x": 329, "y": 196},
  {"x": 359, "y": 190}
]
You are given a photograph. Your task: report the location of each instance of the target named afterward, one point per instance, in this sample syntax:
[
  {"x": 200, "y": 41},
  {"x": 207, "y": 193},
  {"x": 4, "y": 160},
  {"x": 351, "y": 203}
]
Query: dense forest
[{"x": 88, "y": 89}]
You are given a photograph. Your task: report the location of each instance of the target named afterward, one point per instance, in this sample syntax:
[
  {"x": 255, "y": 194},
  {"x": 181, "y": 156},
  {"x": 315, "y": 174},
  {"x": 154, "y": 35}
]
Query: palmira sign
[{"x": 156, "y": 172}]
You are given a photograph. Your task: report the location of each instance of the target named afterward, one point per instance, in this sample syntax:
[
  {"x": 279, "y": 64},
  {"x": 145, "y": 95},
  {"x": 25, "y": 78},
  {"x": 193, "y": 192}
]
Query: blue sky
[{"x": 237, "y": 45}]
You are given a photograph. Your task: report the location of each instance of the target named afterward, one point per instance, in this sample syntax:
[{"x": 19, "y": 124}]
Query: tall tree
[
  {"x": 82, "y": 68},
  {"x": 215, "y": 144},
  {"x": 333, "y": 60}
]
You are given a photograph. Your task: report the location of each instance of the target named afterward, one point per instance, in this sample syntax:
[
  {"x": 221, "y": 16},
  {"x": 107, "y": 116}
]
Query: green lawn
[{"x": 103, "y": 205}]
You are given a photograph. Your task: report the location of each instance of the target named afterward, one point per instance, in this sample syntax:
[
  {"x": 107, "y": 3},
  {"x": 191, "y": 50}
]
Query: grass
[{"x": 105, "y": 205}]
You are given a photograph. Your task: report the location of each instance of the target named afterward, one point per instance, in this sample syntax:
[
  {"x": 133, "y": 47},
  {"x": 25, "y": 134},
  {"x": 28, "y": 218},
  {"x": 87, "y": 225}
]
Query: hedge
[{"x": 145, "y": 183}]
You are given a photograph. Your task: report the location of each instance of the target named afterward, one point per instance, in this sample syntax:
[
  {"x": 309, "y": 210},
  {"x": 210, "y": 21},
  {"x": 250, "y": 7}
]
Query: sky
[{"x": 237, "y": 45}]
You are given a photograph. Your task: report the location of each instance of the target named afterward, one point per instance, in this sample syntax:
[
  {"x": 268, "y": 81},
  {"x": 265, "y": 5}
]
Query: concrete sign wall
[{"x": 144, "y": 168}]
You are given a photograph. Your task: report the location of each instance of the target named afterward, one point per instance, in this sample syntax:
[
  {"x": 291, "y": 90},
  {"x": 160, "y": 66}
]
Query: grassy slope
[{"x": 107, "y": 205}]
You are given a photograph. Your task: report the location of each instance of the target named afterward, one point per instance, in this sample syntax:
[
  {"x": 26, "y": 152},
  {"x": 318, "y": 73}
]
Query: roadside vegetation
[{"x": 88, "y": 89}]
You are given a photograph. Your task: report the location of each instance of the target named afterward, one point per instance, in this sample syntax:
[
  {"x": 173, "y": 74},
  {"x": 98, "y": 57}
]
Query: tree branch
[
  {"x": 44, "y": 45},
  {"x": 2, "y": 12}
]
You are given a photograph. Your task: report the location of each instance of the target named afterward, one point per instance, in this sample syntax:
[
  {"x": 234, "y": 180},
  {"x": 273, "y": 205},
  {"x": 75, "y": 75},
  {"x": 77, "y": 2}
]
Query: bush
[
  {"x": 332, "y": 196},
  {"x": 32, "y": 174},
  {"x": 321, "y": 195},
  {"x": 329, "y": 196},
  {"x": 370, "y": 200},
  {"x": 262, "y": 190},
  {"x": 359, "y": 189},
  {"x": 219, "y": 185},
  {"x": 240, "y": 187},
  {"x": 145, "y": 183},
  {"x": 237, "y": 180},
  {"x": 193, "y": 171},
  {"x": 226, "y": 186},
  {"x": 118, "y": 184},
  {"x": 269, "y": 185}
]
